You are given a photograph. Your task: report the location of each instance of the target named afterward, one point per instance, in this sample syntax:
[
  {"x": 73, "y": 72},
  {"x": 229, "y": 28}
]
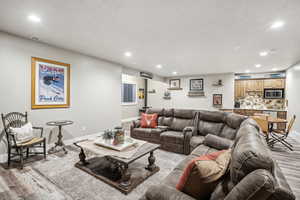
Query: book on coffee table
[{"x": 108, "y": 143}]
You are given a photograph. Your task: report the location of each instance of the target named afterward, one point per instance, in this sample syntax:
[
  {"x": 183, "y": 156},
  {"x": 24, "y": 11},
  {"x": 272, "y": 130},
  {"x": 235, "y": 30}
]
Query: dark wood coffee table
[{"x": 115, "y": 170}]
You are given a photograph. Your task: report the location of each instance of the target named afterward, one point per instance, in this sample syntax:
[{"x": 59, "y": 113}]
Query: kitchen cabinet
[
  {"x": 242, "y": 87},
  {"x": 274, "y": 83}
]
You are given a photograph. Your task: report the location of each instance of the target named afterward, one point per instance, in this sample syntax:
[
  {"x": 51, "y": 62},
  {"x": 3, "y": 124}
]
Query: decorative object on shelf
[
  {"x": 50, "y": 84},
  {"x": 153, "y": 91},
  {"x": 141, "y": 93},
  {"x": 196, "y": 84},
  {"x": 218, "y": 83},
  {"x": 167, "y": 95},
  {"x": 174, "y": 84},
  {"x": 196, "y": 94},
  {"x": 119, "y": 135},
  {"x": 217, "y": 99}
]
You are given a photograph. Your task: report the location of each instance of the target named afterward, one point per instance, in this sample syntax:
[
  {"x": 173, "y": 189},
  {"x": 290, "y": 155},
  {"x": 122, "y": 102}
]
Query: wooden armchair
[{"x": 14, "y": 149}]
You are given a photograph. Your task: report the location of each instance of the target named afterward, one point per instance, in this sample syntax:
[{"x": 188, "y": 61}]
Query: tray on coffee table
[{"x": 116, "y": 171}]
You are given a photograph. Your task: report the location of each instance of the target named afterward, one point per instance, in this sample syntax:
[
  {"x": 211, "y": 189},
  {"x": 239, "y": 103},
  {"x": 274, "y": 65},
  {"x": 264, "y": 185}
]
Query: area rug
[{"x": 76, "y": 184}]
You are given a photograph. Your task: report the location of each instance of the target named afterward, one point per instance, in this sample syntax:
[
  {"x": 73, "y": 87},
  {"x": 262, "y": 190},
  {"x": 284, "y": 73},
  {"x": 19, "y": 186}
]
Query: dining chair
[
  {"x": 281, "y": 136},
  {"x": 262, "y": 121},
  {"x": 15, "y": 149}
]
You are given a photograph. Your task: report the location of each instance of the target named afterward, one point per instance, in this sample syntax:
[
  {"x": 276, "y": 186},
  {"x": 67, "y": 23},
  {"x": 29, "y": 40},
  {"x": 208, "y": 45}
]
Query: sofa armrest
[
  {"x": 259, "y": 184},
  {"x": 188, "y": 132},
  {"x": 217, "y": 142},
  {"x": 136, "y": 123},
  {"x": 163, "y": 192}
]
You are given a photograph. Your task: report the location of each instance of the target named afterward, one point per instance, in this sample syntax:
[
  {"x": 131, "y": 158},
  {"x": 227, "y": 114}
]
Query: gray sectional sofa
[
  {"x": 253, "y": 174},
  {"x": 182, "y": 130}
]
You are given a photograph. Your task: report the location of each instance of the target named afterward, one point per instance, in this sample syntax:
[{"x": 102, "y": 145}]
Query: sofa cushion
[
  {"x": 196, "y": 141},
  {"x": 159, "y": 111},
  {"x": 228, "y": 132},
  {"x": 155, "y": 133},
  {"x": 183, "y": 163},
  {"x": 168, "y": 112},
  {"x": 167, "y": 121},
  {"x": 212, "y": 116},
  {"x": 172, "y": 137},
  {"x": 149, "y": 120},
  {"x": 178, "y": 124},
  {"x": 172, "y": 179},
  {"x": 217, "y": 142},
  {"x": 200, "y": 150},
  {"x": 258, "y": 184},
  {"x": 142, "y": 132},
  {"x": 207, "y": 127},
  {"x": 249, "y": 153},
  {"x": 185, "y": 114},
  {"x": 246, "y": 129},
  {"x": 234, "y": 120}
]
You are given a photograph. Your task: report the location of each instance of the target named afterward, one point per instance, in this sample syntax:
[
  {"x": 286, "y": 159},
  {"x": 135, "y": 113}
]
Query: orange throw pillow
[
  {"x": 201, "y": 175},
  {"x": 149, "y": 120}
]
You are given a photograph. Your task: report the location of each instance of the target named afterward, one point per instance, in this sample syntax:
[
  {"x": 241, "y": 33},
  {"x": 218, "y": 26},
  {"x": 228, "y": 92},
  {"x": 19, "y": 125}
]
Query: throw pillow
[
  {"x": 202, "y": 174},
  {"x": 23, "y": 134},
  {"x": 149, "y": 120}
]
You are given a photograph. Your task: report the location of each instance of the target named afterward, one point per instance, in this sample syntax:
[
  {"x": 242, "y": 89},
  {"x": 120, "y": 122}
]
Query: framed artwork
[
  {"x": 174, "y": 84},
  {"x": 217, "y": 99},
  {"x": 196, "y": 84},
  {"x": 50, "y": 84}
]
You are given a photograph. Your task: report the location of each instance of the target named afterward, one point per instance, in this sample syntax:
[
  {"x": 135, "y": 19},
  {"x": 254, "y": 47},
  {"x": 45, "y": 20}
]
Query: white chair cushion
[{"x": 23, "y": 134}]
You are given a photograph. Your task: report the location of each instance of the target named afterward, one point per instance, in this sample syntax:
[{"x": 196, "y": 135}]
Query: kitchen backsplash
[{"x": 256, "y": 101}]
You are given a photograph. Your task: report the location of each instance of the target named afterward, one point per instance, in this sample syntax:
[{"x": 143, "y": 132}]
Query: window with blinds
[{"x": 128, "y": 93}]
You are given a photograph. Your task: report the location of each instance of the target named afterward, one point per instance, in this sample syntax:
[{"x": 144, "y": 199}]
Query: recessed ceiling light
[
  {"x": 263, "y": 53},
  {"x": 277, "y": 24},
  {"x": 274, "y": 69},
  {"x": 128, "y": 54},
  {"x": 247, "y": 71},
  {"x": 159, "y": 66},
  {"x": 174, "y": 73},
  {"x": 34, "y": 18},
  {"x": 258, "y": 65}
]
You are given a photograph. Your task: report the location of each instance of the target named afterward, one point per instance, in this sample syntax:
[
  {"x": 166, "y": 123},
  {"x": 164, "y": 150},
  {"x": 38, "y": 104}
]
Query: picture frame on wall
[
  {"x": 196, "y": 84},
  {"x": 50, "y": 84},
  {"x": 174, "y": 84},
  {"x": 217, "y": 99}
]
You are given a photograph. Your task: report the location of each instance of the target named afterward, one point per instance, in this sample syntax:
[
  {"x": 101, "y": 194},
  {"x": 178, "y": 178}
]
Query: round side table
[{"x": 59, "y": 142}]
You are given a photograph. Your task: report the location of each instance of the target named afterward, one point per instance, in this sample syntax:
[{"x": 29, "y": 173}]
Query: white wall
[
  {"x": 95, "y": 87},
  {"x": 179, "y": 98},
  {"x": 293, "y": 94}
]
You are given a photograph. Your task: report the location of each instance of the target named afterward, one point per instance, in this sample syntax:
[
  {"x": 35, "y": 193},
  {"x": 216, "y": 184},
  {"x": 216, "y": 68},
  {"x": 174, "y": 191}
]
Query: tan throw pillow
[{"x": 201, "y": 175}]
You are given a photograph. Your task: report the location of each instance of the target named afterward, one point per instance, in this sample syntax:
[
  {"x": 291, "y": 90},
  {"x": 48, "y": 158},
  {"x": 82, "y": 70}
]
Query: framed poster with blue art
[{"x": 50, "y": 84}]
